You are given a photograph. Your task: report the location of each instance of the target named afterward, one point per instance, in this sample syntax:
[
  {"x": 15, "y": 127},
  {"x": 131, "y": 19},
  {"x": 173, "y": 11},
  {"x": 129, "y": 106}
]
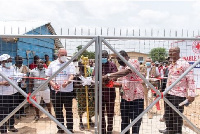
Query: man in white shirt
[
  {"x": 149, "y": 72},
  {"x": 8, "y": 94},
  {"x": 62, "y": 89},
  {"x": 20, "y": 68},
  {"x": 44, "y": 93}
]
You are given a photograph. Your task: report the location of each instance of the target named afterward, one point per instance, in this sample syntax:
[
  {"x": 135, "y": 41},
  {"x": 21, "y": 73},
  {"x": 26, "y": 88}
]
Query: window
[{"x": 140, "y": 58}]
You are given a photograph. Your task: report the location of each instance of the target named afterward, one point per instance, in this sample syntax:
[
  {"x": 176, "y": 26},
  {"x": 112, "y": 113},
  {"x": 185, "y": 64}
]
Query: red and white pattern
[
  {"x": 186, "y": 86},
  {"x": 131, "y": 83}
]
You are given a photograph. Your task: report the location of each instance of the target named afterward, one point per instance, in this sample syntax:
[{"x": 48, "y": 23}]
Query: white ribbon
[{"x": 86, "y": 80}]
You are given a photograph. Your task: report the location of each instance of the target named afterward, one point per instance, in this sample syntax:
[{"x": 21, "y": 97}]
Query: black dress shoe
[
  {"x": 13, "y": 129},
  {"x": 91, "y": 124},
  {"x": 163, "y": 131},
  {"x": 166, "y": 131},
  {"x": 36, "y": 118},
  {"x": 81, "y": 127},
  {"x": 18, "y": 116},
  {"x": 60, "y": 131}
]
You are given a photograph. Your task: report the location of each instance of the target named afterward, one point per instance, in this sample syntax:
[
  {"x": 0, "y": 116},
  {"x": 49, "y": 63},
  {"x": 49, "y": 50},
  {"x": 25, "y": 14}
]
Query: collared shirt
[
  {"x": 41, "y": 74},
  {"x": 186, "y": 86},
  {"x": 62, "y": 76},
  {"x": 131, "y": 84},
  {"x": 108, "y": 93},
  {"x": 149, "y": 72},
  {"x": 23, "y": 69},
  {"x": 10, "y": 73}
]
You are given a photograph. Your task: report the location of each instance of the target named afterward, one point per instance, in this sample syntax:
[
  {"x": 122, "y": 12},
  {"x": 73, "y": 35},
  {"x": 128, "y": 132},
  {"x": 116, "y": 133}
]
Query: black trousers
[
  {"x": 129, "y": 111},
  {"x": 173, "y": 120},
  {"x": 7, "y": 104},
  {"x": 21, "y": 98},
  {"x": 59, "y": 99},
  {"x": 108, "y": 103}
]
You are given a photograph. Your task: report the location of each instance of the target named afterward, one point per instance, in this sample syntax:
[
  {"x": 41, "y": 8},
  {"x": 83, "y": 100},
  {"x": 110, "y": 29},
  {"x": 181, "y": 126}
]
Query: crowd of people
[{"x": 136, "y": 95}]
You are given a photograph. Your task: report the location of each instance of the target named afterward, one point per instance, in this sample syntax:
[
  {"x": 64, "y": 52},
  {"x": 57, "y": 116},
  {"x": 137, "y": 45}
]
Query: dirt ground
[
  {"x": 27, "y": 125},
  {"x": 192, "y": 112}
]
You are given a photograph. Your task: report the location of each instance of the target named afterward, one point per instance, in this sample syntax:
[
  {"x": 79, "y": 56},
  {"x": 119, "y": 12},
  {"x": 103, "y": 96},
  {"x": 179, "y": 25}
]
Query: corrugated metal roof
[
  {"x": 22, "y": 27},
  {"x": 58, "y": 43}
]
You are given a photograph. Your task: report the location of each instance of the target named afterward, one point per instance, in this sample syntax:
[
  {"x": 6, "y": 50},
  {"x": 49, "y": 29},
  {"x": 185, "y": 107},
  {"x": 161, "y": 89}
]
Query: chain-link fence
[{"x": 99, "y": 105}]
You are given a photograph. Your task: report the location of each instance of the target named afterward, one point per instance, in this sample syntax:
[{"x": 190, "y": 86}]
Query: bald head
[
  {"x": 62, "y": 52},
  {"x": 174, "y": 53},
  {"x": 177, "y": 49}
]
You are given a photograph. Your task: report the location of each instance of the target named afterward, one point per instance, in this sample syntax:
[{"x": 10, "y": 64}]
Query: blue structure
[{"x": 29, "y": 47}]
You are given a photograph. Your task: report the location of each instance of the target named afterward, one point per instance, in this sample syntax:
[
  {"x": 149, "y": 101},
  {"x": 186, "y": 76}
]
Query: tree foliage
[
  {"x": 158, "y": 54},
  {"x": 90, "y": 55}
]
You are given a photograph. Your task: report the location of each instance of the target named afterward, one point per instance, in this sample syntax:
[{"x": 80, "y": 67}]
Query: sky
[
  {"x": 111, "y": 16},
  {"x": 105, "y": 14}
]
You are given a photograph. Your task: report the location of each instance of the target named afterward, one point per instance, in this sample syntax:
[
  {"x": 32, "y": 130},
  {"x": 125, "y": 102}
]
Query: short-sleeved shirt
[
  {"x": 186, "y": 86},
  {"x": 132, "y": 84},
  {"x": 108, "y": 93},
  {"x": 62, "y": 76},
  {"x": 10, "y": 73},
  {"x": 23, "y": 69},
  {"x": 40, "y": 74}
]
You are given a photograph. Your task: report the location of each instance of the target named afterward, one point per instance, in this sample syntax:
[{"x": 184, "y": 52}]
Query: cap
[
  {"x": 156, "y": 62},
  {"x": 4, "y": 57}
]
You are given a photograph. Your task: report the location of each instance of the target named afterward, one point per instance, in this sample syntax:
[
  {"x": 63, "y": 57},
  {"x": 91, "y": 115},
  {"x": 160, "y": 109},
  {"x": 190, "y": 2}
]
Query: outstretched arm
[{"x": 118, "y": 74}]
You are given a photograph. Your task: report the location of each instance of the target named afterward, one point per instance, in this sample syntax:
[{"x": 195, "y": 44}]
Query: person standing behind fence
[
  {"x": 62, "y": 89},
  {"x": 8, "y": 94},
  {"x": 108, "y": 95},
  {"x": 20, "y": 68},
  {"x": 132, "y": 102},
  {"x": 34, "y": 64},
  {"x": 185, "y": 88},
  {"x": 81, "y": 96},
  {"x": 39, "y": 72},
  {"x": 47, "y": 61},
  {"x": 149, "y": 72}
]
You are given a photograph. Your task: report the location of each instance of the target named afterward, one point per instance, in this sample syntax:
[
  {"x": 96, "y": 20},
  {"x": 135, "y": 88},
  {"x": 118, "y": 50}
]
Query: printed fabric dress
[{"x": 81, "y": 96}]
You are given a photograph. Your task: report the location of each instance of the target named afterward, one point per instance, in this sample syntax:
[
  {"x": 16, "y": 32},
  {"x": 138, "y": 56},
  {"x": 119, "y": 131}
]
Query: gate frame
[
  {"x": 42, "y": 86},
  {"x": 157, "y": 91},
  {"x": 98, "y": 48}
]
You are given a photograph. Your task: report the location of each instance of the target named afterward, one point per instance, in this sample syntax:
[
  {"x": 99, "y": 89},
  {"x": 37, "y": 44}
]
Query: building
[
  {"x": 133, "y": 55},
  {"x": 28, "y": 47}
]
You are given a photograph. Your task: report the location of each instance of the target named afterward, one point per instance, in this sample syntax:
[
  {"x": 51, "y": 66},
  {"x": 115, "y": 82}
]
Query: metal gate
[{"x": 99, "y": 42}]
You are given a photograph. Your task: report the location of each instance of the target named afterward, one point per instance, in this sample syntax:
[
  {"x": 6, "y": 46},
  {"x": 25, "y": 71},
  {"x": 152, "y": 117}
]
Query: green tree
[
  {"x": 90, "y": 55},
  {"x": 158, "y": 54}
]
